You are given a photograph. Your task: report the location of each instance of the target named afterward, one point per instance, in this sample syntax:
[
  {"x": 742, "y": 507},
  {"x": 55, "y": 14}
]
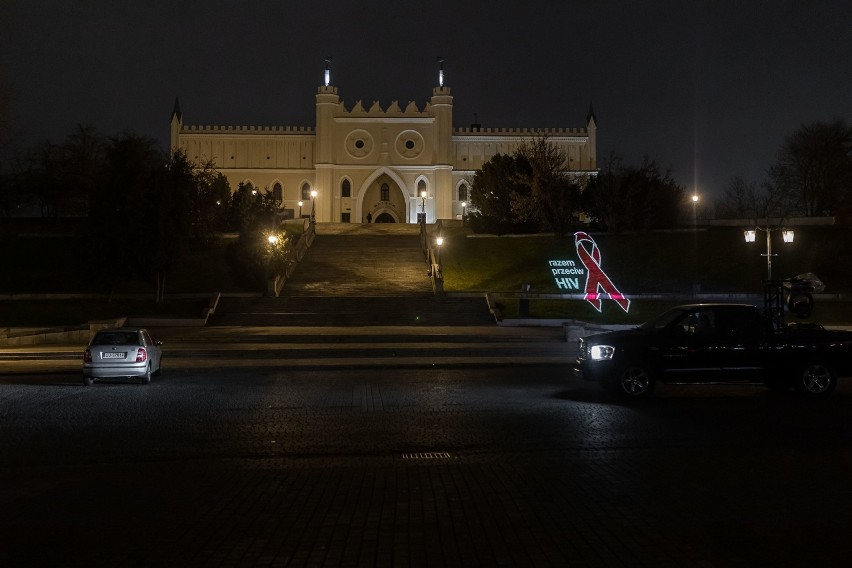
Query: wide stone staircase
[
  {"x": 358, "y": 275},
  {"x": 362, "y": 297}
]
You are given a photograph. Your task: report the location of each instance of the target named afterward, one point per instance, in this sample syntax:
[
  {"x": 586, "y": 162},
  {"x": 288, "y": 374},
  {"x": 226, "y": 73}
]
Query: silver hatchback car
[{"x": 122, "y": 352}]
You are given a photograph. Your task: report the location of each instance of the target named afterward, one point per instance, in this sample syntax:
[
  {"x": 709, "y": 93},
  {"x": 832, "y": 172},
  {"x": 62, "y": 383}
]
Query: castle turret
[
  {"x": 176, "y": 124},
  {"x": 592, "y": 129},
  {"x": 327, "y": 103},
  {"x": 442, "y": 107}
]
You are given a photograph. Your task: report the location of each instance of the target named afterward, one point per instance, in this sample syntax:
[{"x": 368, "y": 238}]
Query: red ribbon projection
[{"x": 596, "y": 279}]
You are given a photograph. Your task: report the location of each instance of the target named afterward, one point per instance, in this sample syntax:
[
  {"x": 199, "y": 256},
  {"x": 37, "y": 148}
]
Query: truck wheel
[
  {"x": 632, "y": 381},
  {"x": 816, "y": 379}
]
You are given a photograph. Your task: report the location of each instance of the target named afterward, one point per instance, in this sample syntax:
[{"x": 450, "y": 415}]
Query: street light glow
[{"x": 751, "y": 235}]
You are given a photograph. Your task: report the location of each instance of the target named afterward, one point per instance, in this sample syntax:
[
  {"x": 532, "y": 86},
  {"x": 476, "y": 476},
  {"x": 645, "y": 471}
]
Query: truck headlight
[{"x": 601, "y": 352}]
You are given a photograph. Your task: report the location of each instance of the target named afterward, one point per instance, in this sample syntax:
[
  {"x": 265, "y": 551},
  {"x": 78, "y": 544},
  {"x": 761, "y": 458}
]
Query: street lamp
[
  {"x": 464, "y": 211},
  {"x": 694, "y": 208},
  {"x": 751, "y": 236},
  {"x": 422, "y": 215},
  {"x": 439, "y": 241},
  {"x": 300, "y": 208},
  {"x": 313, "y": 206}
]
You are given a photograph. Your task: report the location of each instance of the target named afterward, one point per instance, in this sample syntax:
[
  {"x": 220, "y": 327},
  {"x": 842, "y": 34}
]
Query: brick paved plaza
[{"x": 267, "y": 467}]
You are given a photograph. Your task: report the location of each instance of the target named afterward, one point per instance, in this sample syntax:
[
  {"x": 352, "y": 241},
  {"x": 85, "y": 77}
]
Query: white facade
[{"x": 369, "y": 161}]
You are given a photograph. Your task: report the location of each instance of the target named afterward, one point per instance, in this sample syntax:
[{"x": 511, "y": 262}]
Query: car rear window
[{"x": 116, "y": 338}]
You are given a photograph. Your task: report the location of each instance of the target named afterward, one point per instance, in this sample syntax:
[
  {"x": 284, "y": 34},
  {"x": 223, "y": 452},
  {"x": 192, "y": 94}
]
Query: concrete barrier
[{"x": 21, "y": 336}]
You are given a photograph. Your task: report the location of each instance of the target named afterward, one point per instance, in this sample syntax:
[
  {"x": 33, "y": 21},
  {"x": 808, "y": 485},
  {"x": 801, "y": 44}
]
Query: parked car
[
  {"x": 730, "y": 343},
  {"x": 122, "y": 352}
]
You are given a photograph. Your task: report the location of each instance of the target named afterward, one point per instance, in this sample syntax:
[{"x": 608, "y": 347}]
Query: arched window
[
  {"x": 306, "y": 191},
  {"x": 464, "y": 193},
  {"x": 346, "y": 189},
  {"x": 421, "y": 187},
  {"x": 385, "y": 193},
  {"x": 277, "y": 192}
]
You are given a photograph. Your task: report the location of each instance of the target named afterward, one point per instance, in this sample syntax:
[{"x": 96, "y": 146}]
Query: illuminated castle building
[{"x": 369, "y": 164}]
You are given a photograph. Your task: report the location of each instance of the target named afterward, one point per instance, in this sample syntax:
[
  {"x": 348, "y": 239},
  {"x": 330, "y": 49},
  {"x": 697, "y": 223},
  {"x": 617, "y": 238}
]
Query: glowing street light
[
  {"x": 300, "y": 208},
  {"x": 464, "y": 211},
  {"x": 694, "y": 210},
  {"x": 313, "y": 206},
  {"x": 751, "y": 236},
  {"x": 439, "y": 241}
]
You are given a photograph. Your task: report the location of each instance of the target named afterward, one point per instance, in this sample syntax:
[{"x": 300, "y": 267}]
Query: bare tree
[
  {"x": 745, "y": 200},
  {"x": 552, "y": 194},
  {"x": 815, "y": 167}
]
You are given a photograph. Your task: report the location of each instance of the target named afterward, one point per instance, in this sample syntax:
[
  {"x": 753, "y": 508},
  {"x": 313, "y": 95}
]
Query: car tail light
[
  {"x": 141, "y": 355},
  {"x": 87, "y": 356}
]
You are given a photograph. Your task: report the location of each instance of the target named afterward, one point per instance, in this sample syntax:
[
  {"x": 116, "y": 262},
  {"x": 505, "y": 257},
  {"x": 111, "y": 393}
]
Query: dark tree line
[
  {"x": 629, "y": 198},
  {"x": 530, "y": 191},
  {"x": 812, "y": 176},
  {"x": 533, "y": 191},
  {"x": 142, "y": 207}
]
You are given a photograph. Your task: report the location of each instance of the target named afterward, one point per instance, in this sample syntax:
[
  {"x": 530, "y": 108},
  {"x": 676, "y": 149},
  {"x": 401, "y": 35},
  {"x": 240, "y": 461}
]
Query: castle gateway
[{"x": 369, "y": 164}]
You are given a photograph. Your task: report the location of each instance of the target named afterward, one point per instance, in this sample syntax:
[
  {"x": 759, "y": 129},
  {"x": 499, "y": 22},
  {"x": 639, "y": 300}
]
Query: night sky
[{"x": 709, "y": 88}]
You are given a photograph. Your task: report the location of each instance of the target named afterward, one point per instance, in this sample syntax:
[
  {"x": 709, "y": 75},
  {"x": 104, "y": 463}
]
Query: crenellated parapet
[
  {"x": 526, "y": 132},
  {"x": 394, "y": 110},
  {"x": 248, "y": 129}
]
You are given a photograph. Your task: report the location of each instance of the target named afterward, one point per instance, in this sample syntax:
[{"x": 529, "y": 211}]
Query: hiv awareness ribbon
[{"x": 596, "y": 279}]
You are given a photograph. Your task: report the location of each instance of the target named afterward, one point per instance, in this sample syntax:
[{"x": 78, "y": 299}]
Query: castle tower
[
  {"x": 442, "y": 107},
  {"x": 327, "y": 102}
]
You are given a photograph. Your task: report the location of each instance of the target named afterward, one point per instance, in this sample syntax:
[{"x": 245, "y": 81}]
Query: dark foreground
[{"x": 462, "y": 467}]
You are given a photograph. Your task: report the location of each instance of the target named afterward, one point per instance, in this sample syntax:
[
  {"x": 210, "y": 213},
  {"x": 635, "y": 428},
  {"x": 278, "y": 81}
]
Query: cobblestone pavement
[{"x": 257, "y": 466}]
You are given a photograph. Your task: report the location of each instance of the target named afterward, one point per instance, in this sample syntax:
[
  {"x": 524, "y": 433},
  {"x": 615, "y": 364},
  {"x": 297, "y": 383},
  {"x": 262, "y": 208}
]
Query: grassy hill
[
  {"x": 708, "y": 261},
  {"x": 713, "y": 260},
  {"x": 718, "y": 260}
]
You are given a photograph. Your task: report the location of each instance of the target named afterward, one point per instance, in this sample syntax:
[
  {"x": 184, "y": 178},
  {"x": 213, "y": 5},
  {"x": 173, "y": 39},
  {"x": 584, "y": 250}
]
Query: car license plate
[{"x": 111, "y": 355}]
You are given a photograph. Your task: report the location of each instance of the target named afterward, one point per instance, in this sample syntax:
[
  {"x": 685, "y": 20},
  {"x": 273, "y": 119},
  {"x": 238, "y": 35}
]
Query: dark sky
[{"x": 707, "y": 88}]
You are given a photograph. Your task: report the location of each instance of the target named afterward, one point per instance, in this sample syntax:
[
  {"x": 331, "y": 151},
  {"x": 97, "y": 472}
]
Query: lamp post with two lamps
[{"x": 751, "y": 236}]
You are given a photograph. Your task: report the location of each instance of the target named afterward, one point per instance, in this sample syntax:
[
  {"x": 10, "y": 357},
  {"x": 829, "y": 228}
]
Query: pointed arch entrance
[{"x": 382, "y": 198}]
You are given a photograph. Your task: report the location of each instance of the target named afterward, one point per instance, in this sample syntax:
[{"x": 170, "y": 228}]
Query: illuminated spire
[
  {"x": 327, "y": 71},
  {"x": 440, "y": 71}
]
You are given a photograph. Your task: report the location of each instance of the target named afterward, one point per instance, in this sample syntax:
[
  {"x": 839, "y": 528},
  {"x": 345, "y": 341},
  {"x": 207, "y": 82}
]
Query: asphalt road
[{"x": 265, "y": 466}]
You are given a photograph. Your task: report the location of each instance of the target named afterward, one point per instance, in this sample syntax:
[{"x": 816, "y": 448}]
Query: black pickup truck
[{"x": 721, "y": 343}]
